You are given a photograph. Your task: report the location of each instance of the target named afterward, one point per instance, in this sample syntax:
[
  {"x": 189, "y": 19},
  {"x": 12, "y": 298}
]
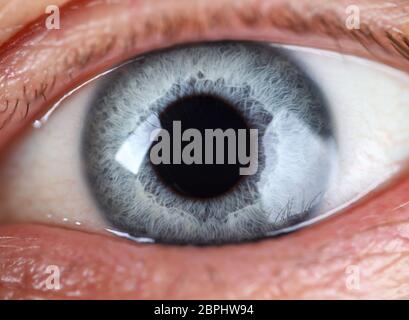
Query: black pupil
[{"x": 201, "y": 180}]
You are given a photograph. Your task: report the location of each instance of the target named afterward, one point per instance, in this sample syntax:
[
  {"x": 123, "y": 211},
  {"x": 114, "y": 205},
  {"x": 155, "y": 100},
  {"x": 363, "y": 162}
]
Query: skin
[{"x": 372, "y": 236}]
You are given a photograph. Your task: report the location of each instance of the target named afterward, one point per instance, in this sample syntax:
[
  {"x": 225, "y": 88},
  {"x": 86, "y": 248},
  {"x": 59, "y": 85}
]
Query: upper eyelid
[{"x": 283, "y": 17}]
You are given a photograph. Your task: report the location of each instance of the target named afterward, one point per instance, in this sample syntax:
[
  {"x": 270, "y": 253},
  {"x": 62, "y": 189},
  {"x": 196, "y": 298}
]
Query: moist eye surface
[{"x": 207, "y": 144}]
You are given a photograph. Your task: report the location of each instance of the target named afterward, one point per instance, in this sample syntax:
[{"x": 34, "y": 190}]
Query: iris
[{"x": 228, "y": 86}]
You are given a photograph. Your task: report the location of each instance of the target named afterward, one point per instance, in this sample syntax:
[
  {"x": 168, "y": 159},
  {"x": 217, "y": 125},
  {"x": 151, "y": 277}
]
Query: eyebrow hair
[{"x": 298, "y": 18}]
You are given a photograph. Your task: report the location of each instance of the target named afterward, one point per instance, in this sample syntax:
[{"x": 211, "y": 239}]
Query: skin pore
[{"x": 312, "y": 263}]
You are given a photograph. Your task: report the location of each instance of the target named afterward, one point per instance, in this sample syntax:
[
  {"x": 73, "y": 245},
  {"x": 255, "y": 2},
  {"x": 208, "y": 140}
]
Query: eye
[{"x": 303, "y": 135}]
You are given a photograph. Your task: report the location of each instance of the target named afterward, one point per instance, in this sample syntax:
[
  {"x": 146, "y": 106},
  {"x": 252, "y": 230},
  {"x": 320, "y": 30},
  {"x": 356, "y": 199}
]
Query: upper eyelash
[{"x": 329, "y": 22}]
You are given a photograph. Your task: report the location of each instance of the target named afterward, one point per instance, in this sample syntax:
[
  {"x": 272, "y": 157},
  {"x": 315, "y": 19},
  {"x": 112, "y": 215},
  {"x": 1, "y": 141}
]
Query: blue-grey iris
[{"x": 201, "y": 204}]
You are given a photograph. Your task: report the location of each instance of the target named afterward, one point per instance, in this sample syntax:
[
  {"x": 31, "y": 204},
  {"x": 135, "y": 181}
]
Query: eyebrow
[{"x": 382, "y": 36}]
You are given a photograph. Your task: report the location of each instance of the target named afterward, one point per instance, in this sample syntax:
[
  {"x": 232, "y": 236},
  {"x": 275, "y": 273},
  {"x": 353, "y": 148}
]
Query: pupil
[{"x": 201, "y": 180}]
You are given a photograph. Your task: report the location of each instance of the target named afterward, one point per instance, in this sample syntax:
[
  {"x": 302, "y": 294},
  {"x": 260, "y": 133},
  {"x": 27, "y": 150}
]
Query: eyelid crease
[{"x": 72, "y": 54}]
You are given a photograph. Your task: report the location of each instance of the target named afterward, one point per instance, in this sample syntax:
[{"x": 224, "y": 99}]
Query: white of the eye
[{"x": 369, "y": 103}]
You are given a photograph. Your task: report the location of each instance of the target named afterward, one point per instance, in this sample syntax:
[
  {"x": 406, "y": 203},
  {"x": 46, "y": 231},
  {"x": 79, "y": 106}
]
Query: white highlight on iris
[{"x": 132, "y": 152}]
